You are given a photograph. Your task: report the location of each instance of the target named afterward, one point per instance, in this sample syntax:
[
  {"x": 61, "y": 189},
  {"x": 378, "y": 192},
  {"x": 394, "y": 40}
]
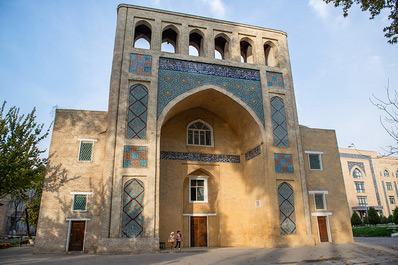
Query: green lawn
[{"x": 373, "y": 231}]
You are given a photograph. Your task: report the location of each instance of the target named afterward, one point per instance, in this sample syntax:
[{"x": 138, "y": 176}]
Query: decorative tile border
[
  {"x": 275, "y": 79},
  {"x": 137, "y": 112},
  {"x": 189, "y": 156},
  {"x": 283, "y": 163},
  {"x": 287, "y": 216},
  {"x": 140, "y": 64},
  {"x": 279, "y": 126},
  {"x": 369, "y": 159},
  {"x": 133, "y": 207},
  {"x": 135, "y": 156},
  {"x": 356, "y": 164},
  {"x": 253, "y": 153},
  {"x": 177, "y": 77}
]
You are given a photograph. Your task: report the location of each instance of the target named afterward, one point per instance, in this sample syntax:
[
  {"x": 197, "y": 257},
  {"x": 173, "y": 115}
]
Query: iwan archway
[{"x": 205, "y": 185}]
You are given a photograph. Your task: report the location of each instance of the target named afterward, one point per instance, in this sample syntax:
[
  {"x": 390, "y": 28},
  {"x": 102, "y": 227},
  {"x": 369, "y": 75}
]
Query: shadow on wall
[{"x": 56, "y": 207}]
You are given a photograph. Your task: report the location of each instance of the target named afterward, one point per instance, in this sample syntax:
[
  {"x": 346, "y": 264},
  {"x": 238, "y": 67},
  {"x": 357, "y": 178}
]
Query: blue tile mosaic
[
  {"x": 279, "y": 125},
  {"x": 137, "y": 112},
  {"x": 177, "y": 77},
  {"x": 140, "y": 64},
  {"x": 287, "y": 215},
  {"x": 356, "y": 164},
  {"x": 135, "y": 156},
  {"x": 189, "y": 156},
  {"x": 274, "y": 79},
  {"x": 283, "y": 163},
  {"x": 256, "y": 151},
  {"x": 133, "y": 207}
]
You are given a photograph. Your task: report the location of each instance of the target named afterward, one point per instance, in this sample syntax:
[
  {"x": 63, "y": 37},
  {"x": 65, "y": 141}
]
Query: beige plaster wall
[
  {"x": 66, "y": 174},
  {"x": 329, "y": 179}
]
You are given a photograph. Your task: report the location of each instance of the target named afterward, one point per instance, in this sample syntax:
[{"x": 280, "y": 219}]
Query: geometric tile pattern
[
  {"x": 369, "y": 158},
  {"x": 137, "y": 112},
  {"x": 133, "y": 206},
  {"x": 190, "y": 156},
  {"x": 283, "y": 163},
  {"x": 287, "y": 216},
  {"x": 135, "y": 156},
  {"x": 358, "y": 164},
  {"x": 140, "y": 64},
  {"x": 177, "y": 77},
  {"x": 274, "y": 79},
  {"x": 279, "y": 122},
  {"x": 253, "y": 153}
]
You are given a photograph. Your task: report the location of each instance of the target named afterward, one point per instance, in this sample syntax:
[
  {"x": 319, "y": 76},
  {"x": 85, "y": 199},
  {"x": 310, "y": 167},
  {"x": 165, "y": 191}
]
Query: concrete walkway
[{"x": 363, "y": 251}]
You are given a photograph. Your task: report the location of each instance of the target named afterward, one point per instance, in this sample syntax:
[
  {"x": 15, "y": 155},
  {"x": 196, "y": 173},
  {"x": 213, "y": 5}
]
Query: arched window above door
[{"x": 199, "y": 133}]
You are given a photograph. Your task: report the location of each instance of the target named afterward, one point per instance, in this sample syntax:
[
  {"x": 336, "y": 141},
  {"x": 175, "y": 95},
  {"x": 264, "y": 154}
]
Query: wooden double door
[
  {"x": 198, "y": 231},
  {"x": 76, "y": 236}
]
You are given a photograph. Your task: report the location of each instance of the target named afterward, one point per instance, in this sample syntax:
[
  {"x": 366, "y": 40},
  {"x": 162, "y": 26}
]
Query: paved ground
[{"x": 363, "y": 251}]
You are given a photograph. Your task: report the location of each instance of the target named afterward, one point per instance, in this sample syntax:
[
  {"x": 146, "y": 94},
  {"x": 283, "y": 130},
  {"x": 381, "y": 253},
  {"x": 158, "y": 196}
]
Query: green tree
[
  {"x": 21, "y": 164},
  {"x": 374, "y": 217},
  {"x": 390, "y": 219},
  {"x": 355, "y": 219},
  {"x": 383, "y": 220},
  {"x": 366, "y": 220},
  {"x": 396, "y": 216},
  {"x": 375, "y": 7}
]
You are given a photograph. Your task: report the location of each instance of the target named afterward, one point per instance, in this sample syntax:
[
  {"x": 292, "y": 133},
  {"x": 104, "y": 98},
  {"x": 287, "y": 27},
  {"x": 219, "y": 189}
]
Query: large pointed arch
[{"x": 174, "y": 106}]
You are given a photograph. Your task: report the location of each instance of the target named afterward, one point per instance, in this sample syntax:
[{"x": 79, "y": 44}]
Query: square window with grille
[
  {"x": 320, "y": 202},
  {"x": 315, "y": 160},
  {"x": 86, "y": 151},
  {"x": 80, "y": 202},
  {"x": 392, "y": 199}
]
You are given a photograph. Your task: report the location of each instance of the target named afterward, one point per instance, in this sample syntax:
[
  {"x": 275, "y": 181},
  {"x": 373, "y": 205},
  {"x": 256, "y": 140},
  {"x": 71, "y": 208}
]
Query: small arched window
[
  {"x": 357, "y": 174},
  {"x": 386, "y": 173},
  {"x": 199, "y": 133},
  {"x": 246, "y": 52},
  {"x": 221, "y": 48},
  {"x": 195, "y": 44},
  {"x": 270, "y": 53},
  {"x": 169, "y": 40},
  {"x": 142, "y": 36}
]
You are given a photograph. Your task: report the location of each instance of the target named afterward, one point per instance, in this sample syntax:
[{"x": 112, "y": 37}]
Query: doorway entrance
[
  {"x": 323, "y": 229},
  {"x": 76, "y": 236},
  {"x": 198, "y": 231}
]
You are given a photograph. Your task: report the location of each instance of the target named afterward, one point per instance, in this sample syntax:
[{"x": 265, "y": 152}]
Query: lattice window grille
[
  {"x": 86, "y": 151},
  {"x": 80, "y": 203}
]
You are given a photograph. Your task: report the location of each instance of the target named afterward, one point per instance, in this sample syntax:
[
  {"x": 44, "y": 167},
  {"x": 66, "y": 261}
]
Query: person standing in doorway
[
  {"x": 178, "y": 240},
  {"x": 171, "y": 239}
]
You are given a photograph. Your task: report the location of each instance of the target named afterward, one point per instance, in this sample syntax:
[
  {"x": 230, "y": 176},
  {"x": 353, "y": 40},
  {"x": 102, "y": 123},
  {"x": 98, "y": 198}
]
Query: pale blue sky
[{"x": 59, "y": 53}]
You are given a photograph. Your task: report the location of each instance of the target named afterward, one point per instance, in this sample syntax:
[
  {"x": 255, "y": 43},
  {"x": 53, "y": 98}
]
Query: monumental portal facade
[{"x": 209, "y": 145}]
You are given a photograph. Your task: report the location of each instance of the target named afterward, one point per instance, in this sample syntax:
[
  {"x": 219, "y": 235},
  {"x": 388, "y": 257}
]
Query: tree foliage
[
  {"x": 390, "y": 119},
  {"x": 21, "y": 166},
  {"x": 375, "y": 7},
  {"x": 396, "y": 216},
  {"x": 355, "y": 219},
  {"x": 373, "y": 216}
]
